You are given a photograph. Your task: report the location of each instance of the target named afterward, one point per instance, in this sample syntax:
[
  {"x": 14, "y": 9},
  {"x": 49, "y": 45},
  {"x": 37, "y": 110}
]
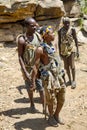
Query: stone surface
[
  {"x": 47, "y": 9},
  {"x": 85, "y": 25},
  {"x": 75, "y": 10},
  {"x": 82, "y": 37},
  {"x": 15, "y": 10},
  {"x": 8, "y": 32},
  {"x": 72, "y": 8}
]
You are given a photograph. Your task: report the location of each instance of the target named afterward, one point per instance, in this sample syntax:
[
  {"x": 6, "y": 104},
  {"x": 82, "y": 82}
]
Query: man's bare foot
[
  {"x": 68, "y": 83},
  {"x": 73, "y": 85},
  {"x": 52, "y": 121},
  {"x": 33, "y": 109},
  {"x": 59, "y": 120}
]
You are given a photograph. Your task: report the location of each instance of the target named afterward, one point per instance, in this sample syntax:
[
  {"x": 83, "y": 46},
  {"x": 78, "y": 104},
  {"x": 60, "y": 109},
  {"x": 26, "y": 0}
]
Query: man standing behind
[
  {"x": 67, "y": 42},
  {"x": 27, "y": 43}
]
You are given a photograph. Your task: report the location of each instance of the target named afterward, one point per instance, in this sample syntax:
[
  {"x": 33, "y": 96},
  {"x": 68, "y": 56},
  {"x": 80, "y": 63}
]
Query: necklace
[{"x": 30, "y": 38}]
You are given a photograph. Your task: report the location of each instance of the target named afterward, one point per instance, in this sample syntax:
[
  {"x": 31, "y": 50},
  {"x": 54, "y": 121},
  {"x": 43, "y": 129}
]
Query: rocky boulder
[
  {"x": 9, "y": 32},
  {"x": 49, "y": 9},
  {"x": 82, "y": 37},
  {"x": 15, "y": 10},
  {"x": 85, "y": 25},
  {"x": 72, "y": 8}
]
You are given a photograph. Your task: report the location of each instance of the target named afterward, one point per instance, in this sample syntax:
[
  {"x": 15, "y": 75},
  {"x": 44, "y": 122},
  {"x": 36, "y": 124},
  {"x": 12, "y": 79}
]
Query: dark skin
[
  {"x": 66, "y": 27},
  {"x": 30, "y": 30},
  {"x": 21, "y": 45},
  {"x": 40, "y": 53}
]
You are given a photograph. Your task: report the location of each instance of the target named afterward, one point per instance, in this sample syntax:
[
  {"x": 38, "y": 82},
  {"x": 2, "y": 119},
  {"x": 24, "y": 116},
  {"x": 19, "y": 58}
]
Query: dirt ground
[{"x": 14, "y": 102}]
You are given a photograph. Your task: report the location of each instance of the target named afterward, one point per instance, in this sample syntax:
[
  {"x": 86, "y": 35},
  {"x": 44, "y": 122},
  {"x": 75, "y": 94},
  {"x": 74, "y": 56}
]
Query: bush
[{"x": 83, "y": 4}]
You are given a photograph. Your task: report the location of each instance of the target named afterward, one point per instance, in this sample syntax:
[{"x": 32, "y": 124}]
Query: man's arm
[
  {"x": 76, "y": 41},
  {"x": 21, "y": 43},
  {"x": 59, "y": 42},
  {"x": 38, "y": 54}
]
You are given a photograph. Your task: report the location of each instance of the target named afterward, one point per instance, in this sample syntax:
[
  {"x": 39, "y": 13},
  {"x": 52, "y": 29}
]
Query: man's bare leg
[
  {"x": 60, "y": 103},
  {"x": 69, "y": 75},
  {"x": 67, "y": 68},
  {"x": 51, "y": 119},
  {"x": 32, "y": 106},
  {"x": 42, "y": 97},
  {"x": 73, "y": 86},
  {"x": 30, "y": 94}
]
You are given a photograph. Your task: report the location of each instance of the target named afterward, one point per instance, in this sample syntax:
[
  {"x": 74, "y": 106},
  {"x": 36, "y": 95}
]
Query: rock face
[
  {"x": 49, "y": 9},
  {"x": 85, "y": 25},
  {"x": 82, "y": 37},
  {"x": 12, "y": 11},
  {"x": 8, "y": 32},
  {"x": 15, "y": 10},
  {"x": 72, "y": 8}
]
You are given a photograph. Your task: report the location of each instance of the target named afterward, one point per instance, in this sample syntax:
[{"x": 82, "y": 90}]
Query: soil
[{"x": 14, "y": 101}]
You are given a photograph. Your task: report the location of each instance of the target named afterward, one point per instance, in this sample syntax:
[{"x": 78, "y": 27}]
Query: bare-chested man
[
  {"x": 27, "y": 43},
  {"x": 68, "y": 46}
]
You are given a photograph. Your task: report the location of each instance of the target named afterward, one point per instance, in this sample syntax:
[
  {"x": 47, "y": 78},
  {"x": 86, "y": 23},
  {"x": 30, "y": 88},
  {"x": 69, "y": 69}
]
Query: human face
[
  {"x": 66, "y": 24},
  {"x": 49, "y": 36},
  {"x": 31, "y": 27}
]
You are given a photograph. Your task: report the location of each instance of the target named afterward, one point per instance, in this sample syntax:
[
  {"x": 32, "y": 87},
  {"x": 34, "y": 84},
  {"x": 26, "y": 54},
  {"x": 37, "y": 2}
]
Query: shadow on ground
[
  {"x": 24, "y": 99},
  {"x": 20, "y": 88},
  {"x": 17, "y": 111},
  {"x": 33, "y": 124}
]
